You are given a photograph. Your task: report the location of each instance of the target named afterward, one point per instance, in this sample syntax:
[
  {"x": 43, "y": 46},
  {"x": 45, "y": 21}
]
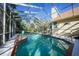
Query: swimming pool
[{"x": 42, "y": 45}]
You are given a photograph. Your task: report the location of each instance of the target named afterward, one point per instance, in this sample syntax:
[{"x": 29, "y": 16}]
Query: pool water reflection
[{"x": 42, "y": 45}]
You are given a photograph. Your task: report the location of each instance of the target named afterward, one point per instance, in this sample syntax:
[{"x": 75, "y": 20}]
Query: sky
[{"x": 45, "y": 12}]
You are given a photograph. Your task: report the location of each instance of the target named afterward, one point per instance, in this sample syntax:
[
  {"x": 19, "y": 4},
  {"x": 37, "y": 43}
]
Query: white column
[
  {"x": 10, "y": 27},
  {"x": 4, "y": 23}
]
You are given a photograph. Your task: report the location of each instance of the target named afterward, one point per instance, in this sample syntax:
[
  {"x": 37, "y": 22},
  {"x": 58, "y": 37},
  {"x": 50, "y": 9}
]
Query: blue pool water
[{"x": 42, "y": 45}]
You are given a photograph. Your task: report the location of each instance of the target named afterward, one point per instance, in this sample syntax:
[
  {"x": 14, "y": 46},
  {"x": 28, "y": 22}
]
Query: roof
[{"x": 68, "y": 14}]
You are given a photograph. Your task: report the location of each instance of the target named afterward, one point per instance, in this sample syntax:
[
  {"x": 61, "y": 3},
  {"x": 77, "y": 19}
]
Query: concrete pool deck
[{"x": 6, "y": 49}]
